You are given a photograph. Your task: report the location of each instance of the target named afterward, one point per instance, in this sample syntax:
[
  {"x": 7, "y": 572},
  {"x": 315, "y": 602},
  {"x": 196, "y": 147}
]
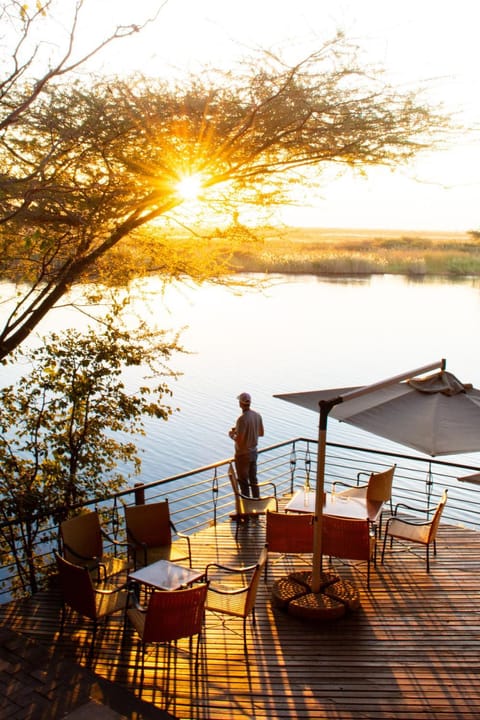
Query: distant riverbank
[{"x": 317, "y": 251}]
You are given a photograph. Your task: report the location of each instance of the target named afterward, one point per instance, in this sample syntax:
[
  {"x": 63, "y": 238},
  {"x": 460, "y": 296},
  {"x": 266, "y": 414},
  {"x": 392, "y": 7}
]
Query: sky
[{"x": 418, "y": 42}]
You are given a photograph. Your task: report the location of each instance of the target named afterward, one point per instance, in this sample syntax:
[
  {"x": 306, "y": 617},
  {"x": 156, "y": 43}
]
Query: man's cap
[{"x": 244, "y": 398}]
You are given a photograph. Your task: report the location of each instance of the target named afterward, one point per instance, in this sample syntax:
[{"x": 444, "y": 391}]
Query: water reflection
[{"x": 299, "y": 333}]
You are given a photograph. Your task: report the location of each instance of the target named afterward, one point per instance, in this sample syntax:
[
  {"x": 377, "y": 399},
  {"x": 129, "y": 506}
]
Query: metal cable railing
[{"x": 203, "y": 496}]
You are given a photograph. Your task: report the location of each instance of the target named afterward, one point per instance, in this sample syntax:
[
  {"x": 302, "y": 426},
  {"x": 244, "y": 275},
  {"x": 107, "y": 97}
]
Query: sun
[{"x": 189, "y": 187}]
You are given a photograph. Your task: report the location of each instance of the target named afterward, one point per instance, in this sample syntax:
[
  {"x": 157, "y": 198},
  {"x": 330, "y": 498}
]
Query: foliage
[
  {"x": 63, "y": 425},
  {"x": 89, "y": 168}
]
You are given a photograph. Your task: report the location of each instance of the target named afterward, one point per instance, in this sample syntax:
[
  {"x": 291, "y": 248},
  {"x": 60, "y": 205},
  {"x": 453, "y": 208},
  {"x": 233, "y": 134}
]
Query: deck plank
[{"x": 412, "y": 649}]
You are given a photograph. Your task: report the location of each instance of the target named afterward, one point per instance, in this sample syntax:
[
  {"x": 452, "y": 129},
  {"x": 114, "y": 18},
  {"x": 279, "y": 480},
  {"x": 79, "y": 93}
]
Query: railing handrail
[
  {"x": 118, "y": 494},
  {"x": 226, "y": 461},
  {"x": 209, "y": 499}
]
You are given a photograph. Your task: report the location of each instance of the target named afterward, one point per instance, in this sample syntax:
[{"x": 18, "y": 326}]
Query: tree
[
  {"x": 24, "y": 54},
  {"x": 63, "y": 427},
  {"x": 86, "y": 169},
  {"x": 29, "y": 65}
]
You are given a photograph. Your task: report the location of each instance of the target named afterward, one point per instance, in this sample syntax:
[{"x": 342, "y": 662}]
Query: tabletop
[
  {"x": 348, "y": 507},
  {"x": 165, "y": 575}
]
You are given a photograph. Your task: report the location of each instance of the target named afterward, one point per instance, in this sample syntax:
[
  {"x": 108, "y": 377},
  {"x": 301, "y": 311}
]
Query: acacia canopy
[{"x": 85, "y": 167}]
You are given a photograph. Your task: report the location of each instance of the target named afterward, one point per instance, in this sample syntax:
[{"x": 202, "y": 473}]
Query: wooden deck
[{"x": 412, "y": 650}]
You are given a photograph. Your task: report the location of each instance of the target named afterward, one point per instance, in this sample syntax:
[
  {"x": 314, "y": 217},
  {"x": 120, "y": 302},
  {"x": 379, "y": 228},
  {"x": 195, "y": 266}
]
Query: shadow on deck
[{"x": 412, "y": 650}]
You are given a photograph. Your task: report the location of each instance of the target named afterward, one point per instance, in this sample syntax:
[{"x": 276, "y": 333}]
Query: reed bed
[{"x": 351, "y": 252}]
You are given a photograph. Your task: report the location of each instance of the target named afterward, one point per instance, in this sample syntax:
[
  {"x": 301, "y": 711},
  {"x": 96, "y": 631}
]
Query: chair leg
[
  {"x": 380, "y": 525},
  {"x": 245, "y": 648},
  {"x": 384, "y": 546},
  {"x": 94, "y": 633},
  {"x": 142, "y": 669},
  {"x": 62, "y": 620},
  {"x": 199, "y": 635}
]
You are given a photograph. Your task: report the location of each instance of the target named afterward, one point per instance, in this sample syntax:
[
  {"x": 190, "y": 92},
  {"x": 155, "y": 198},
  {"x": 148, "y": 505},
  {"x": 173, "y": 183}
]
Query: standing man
[{"x": 247, "y": 430}]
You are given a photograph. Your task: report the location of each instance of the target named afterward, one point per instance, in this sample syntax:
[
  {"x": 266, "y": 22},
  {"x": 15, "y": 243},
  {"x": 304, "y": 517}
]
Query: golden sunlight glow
[{"x": 190, "y": 186}]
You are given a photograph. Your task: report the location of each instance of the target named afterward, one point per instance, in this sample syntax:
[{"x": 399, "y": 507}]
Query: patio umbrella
[{"x": 437, "y": 415}]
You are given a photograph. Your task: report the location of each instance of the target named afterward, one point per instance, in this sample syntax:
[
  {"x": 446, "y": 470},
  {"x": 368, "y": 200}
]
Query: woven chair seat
[{"x": 231, "y": 604}]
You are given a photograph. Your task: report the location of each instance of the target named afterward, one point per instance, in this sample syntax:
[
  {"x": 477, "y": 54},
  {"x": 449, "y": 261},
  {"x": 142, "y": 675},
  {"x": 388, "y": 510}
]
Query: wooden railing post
[{"x": 139, "y": 494}]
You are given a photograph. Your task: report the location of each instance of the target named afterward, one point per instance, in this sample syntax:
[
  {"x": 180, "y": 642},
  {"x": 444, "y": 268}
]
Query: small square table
[{"x": 165, "y": 575}]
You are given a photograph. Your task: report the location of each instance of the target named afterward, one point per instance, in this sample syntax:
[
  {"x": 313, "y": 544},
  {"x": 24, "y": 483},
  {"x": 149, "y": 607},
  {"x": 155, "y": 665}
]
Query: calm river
[{"x": 302, "y": 333}]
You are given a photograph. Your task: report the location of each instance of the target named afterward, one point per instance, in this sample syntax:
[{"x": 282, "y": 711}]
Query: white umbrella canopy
[{"x": 437, "y": 415}]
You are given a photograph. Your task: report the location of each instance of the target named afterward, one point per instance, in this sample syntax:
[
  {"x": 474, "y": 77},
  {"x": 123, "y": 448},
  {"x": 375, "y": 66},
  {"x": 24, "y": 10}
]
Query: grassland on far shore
[{"x": 321, "y": 251}]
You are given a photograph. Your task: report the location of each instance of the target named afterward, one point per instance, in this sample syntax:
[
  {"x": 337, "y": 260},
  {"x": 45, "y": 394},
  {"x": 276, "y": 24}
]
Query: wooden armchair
[
  {"x": 247, "y": 507},
  {"x": 151, "y": 534},
  {"x": 82, "y": 544},
  {"x": 80, "y": 595},
  {"x": 414, "y": 529},
  {"x": 349, "y": 539},
  {"x": 234, "y": 599},
  {"x": 288, "y": 534},
  {"x": 378, "y": 488},
  {"x": 169, "y": 617}
]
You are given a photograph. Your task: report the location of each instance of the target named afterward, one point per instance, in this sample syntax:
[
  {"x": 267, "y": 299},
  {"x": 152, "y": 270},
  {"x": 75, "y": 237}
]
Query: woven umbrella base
[
  {"x": 305, "y": 578},
  {"x": 335, "y": 598},
  {"x": 345, "y": 592},
  {"x": 317, "y": 606}
]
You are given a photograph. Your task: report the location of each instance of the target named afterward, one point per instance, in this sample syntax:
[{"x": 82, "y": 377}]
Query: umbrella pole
[{"x": 325, "y": 407}]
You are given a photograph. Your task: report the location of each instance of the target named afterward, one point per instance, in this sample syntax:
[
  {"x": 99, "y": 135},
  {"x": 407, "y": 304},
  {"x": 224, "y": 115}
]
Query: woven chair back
[
  {"x": 289, "y": 532},
  {"x": 175, "y": 615},
  {"x": 346, "y": 538},
  {"x": 82, "y": 534},
  {"x": 76, "y": 587},
  {"x": 379, "y": 487},
  {"x": 149, "y": 524},
  {"x": 254, "y": 582},
  {"x": 437, "y": 517}
]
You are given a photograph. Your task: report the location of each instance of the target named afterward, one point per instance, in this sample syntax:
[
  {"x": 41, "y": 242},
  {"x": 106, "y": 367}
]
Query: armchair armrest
[
  {"x": 134, "y": 545},
  {"x": 405, "y": 506},
  {"x": 132, "y": 541},
  {"x": 413, "y": 522},
  {"x": 116, "y": 543},
  {"x": 412, "y": 509},
  {"x": 273, "y": 496},
  {"x": 93, "y": 558},
  {"x": 345, "y": 484},
  {"x": 271, "y": 484},
  {"x": 179, "y": 534},
  {"x": 222, "y": 590},
  {"x": 182, "y": 536},
  {"x": 231, "y": 570},
  {"x": 363, "y": 472},
  {"x": 133, "y": 600},
  {"x": 259, "y": 499},
  {"x": 111, "y": 590}
]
